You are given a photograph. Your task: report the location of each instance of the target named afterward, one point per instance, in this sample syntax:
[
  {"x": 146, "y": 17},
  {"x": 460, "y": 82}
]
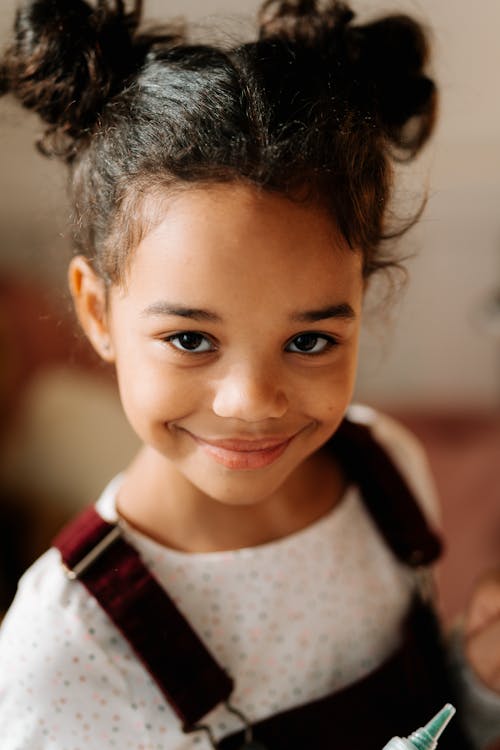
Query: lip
[{"x": 243, "y": 454}]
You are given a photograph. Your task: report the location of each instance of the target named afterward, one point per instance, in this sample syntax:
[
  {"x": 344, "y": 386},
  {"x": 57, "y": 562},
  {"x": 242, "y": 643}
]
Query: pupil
[
  {"x": 190, "y": 340},
  {"x": 306, "y": 343}
]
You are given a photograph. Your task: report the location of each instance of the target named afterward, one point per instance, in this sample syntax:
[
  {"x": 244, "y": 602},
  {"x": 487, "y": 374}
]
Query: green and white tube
[{"x": 425, "y": 738}]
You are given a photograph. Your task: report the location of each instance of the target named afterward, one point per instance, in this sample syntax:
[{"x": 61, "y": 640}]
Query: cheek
[
  {"x": 151, "y": 395},
  {"x": 329, "y": 396}
]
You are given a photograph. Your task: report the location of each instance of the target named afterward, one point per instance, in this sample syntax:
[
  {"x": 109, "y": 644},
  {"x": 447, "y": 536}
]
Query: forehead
[{"x": 238, "y": 239}]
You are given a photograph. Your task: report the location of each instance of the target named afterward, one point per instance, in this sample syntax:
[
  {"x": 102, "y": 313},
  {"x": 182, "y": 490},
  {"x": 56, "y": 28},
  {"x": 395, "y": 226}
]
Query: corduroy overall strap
[
  {"x": 386, "y": 495},
  {"x": 96, "y": 553}
]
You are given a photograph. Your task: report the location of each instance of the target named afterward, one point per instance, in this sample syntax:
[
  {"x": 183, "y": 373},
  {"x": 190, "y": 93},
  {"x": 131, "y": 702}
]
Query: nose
[{"x": 251, "y": 394}]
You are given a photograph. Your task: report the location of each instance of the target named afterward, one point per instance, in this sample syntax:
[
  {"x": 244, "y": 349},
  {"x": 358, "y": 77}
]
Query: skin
[
  {"x": 482, "y": 630},
  {"x": 234, "y": 405}
]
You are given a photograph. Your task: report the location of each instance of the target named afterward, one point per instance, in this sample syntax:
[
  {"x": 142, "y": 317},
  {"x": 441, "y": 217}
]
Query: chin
[{"x": 245, "y": 491}]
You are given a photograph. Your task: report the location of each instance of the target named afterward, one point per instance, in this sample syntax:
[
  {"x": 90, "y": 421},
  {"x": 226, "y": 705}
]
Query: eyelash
[
  {"x": 174, "y": 336},
  {"x": 329, "y": 341}
]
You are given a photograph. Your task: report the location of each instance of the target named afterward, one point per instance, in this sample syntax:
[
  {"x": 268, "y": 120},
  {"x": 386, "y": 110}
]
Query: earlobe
[{"x": 89, "y": 296}]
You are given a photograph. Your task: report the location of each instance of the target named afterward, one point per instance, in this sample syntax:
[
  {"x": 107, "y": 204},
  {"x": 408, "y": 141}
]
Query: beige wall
[{"x": 438, "y": 352}]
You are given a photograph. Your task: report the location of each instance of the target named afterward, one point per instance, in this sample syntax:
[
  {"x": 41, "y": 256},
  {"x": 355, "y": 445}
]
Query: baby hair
[{"x": 316, "y": 108}]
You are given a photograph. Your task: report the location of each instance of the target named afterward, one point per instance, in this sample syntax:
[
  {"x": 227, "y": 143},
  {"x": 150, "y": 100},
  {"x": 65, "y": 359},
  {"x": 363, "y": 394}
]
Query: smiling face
[{"x": 235, "y": 340}]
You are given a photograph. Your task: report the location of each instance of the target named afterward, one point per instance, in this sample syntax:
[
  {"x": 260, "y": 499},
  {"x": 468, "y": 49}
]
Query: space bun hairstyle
[
  {"x": 67, "y": 61},
  {"x": 376, "y": 68},
  {"x": 317, "y": 108}
]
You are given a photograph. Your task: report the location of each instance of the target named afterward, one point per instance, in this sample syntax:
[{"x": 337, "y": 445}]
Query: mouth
[{"x": 243, "y": 454}]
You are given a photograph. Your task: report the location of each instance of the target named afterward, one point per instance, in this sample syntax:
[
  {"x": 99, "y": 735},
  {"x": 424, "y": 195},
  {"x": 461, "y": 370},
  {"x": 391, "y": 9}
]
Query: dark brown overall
[{"x": 398, "y": 697}]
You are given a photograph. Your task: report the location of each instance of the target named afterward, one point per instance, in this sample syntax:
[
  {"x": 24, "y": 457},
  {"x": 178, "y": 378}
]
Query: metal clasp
[
  {"x": 249, "y": 742},
  {"x": 93, "y": 555}
]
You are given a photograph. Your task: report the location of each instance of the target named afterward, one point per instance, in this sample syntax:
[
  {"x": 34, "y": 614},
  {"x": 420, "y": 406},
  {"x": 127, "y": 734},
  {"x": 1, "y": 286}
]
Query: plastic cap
[{"x": 426, "y": 737}]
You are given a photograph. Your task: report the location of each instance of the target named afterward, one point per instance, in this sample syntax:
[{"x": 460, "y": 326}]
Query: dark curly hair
[{"x": 316, "y": 108}]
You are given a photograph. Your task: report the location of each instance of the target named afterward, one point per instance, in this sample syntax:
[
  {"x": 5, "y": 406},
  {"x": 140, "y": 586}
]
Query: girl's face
[{"x": 235, "y": 338}]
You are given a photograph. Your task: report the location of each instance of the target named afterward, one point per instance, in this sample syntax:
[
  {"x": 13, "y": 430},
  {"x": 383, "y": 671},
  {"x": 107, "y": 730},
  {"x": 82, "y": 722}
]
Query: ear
[{"x": 89, "y": 296}]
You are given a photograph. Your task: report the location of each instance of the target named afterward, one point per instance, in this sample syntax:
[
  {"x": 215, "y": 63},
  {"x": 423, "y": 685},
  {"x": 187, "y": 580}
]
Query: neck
[{"x": 161, "y": 503}]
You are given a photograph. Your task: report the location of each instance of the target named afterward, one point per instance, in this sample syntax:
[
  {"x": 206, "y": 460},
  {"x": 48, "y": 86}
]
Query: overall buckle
[{"x": 93, "y": 555}]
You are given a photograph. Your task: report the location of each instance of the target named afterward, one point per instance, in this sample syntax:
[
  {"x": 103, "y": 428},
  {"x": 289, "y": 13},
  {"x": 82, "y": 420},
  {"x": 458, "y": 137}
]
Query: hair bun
[
  {"x": 67, "y": 59},
  {"x": 390, "y": 56},
  {"x": 378, "y": 66}
]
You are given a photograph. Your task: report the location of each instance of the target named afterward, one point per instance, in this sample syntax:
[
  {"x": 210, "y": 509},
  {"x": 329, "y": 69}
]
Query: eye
[
  {"x": 190, "y": 341},
  {"x": 311, "y": 343}
]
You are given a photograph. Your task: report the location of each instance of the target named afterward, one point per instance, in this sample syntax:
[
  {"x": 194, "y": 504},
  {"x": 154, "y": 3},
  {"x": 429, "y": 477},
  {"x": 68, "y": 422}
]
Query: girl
[{"x": 255, "y": 577}]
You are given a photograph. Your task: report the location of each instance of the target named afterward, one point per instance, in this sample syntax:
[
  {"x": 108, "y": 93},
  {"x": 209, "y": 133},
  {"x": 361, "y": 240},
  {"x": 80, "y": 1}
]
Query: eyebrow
[
  {"x": 343, "y": 311},
  {"x": 180, "y": 311}
]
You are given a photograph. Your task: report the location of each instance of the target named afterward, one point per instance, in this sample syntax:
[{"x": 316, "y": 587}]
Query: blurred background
[{"x": 431, "y": 356}]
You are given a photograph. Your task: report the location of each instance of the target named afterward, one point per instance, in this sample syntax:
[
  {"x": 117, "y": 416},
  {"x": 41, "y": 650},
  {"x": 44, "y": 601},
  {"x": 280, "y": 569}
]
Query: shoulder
[
  {"x": 407, "y": 453},
  {"x": 49, "y": 621},
  {"x": 42, "y": 591},
  {"x": 53, "y": 657}
]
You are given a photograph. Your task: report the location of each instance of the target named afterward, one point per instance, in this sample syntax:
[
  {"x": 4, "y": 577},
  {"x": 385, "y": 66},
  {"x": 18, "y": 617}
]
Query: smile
[{"x": 244, "y": 455}]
